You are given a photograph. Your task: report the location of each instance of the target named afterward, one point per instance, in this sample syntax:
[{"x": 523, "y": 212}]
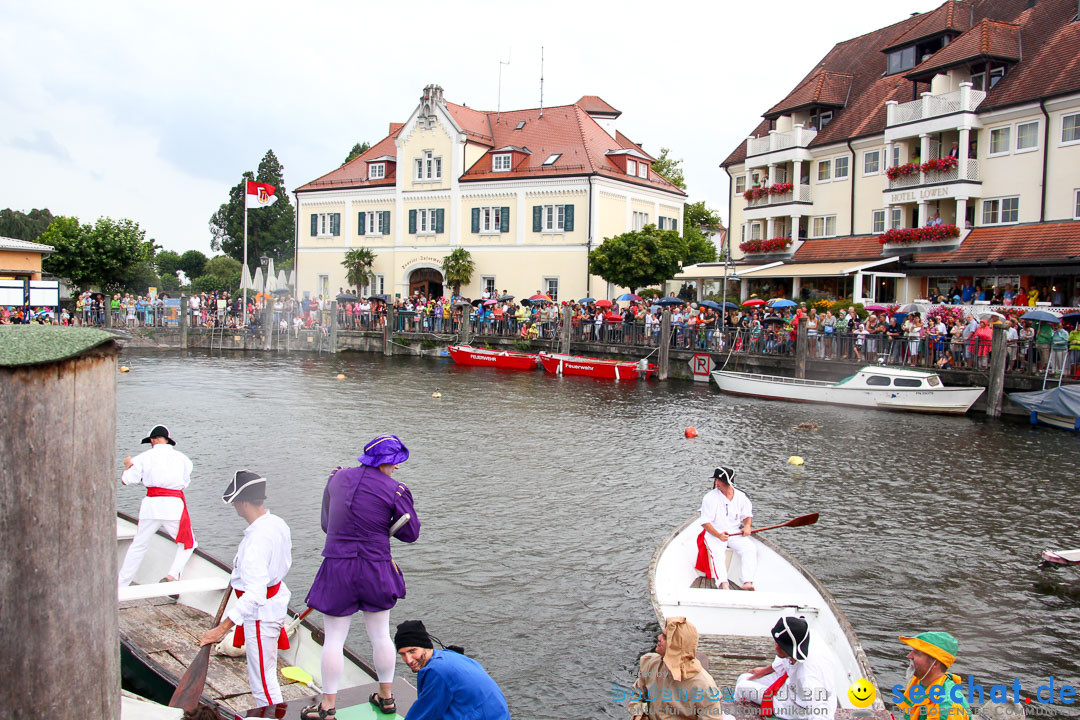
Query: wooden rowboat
[
  {"x": 159, "y": 636},
  {"x": 560, "y": 364},
  {"x": 483, "y": 357},
  {"x": 734, "y": 625}
]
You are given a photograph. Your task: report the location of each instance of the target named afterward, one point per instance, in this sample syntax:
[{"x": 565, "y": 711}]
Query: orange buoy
[{"x": 691, "y": 432}]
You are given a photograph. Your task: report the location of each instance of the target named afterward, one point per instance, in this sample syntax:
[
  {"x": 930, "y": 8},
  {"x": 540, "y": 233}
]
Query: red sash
[
  {"x": 238, "y": 634},
  {"x": 702, "y": 564},
  {"x": 184, "y": 535},
  {"x": 770, "y": 692}
]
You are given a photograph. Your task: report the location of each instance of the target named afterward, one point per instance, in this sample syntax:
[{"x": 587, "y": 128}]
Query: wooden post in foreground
[
  {"x": 664, "y": 361},
  {"x": 802, "y": 349},
  {"x": 185, "y": 321},
  {"x": 995, "y": 392},
  {"x": 388, "y": 331},
  {"x": 333, "y": 325},
  {"x": 564, "y": 344},
  {"x": 58, "y": 478}
]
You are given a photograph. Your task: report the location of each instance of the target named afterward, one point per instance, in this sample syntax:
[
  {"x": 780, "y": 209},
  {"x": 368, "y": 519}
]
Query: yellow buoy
[
  {"x": 794, "y": 460},
  {"x": 436, "y": 394},
  {"x": 125, "y": 368},
  {"x": 341, "y": 376}
]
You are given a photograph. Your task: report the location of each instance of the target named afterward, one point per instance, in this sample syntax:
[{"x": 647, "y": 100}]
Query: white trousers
[
  {"x": 747, "y": 690},
  {"x": 260, "y": 641},
  {"x": 147, "y": 528},
  {"x": 738, "y": 544}
]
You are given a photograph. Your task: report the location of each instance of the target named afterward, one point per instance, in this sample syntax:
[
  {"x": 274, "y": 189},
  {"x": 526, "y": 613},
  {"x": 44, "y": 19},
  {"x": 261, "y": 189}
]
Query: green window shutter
[
  {"x": 361, "y": 224},
  {"x": 504, "y": 220},
  {"x": 476, "y": 220},
  {"x": 335, "y": 224},
  {"x": 314, "y": 224},
  {"x": 568, "y": 218},
  {"x": 439, "y": 220},
  {"x": 538, "y": 218},
  {"x": 412, "y": 222},
  {"x": 385, "y": 228}
]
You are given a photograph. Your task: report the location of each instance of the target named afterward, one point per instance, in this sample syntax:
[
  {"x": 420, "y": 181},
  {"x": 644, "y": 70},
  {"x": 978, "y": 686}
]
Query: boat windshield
[
  {"x": 877, "y": 380},
  {"x": 933, "y": 381}
]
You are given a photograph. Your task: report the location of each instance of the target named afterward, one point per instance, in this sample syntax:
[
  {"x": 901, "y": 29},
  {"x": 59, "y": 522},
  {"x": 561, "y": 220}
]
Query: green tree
[
  {"x": 270, "y": 229},
  {"x": 637, "y": 259},
  {"x": 457, "y": 269},
  {"x": 699, "y": 247},
  {"x": 168, "y": 283},
  {"x": 24, "y": 226},
  {"x": 192, "y": 263},
  {"x": 357, "y": 150},
  {"x": 222, "y": 266},
  {"x": 357, "y": 263},
  {"x": 140, "y": 277},
  {"x": 210, "y": 283},
  {"x": 699, "y": 223},
  {"x": 167, "y": 263},
  {"x": 702, "y": 217},
  {"x": 100, "y": 255},
  {"x": 669, "y": 168}
]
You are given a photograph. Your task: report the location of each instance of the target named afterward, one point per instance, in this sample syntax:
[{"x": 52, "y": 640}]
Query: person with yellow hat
[
  {"x": 671, "y": 682},
  {"x": 939, "y": 694}
]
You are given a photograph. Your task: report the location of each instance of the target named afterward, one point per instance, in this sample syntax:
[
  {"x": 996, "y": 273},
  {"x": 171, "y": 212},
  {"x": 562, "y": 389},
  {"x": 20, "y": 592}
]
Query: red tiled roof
[
  {"x": 858, "y": 247},
  {"x": 1012, "y": 244},
  {"x": 475, "y": 123},
  {"x": 953, "y": 15},
  {"x": 354, "y": 173},
  {"x": 627, "y": 143},
  {"x": 596, "y": 106},
  {"x": 988, "y": 39},
  {"x": 822, "y": 88}
]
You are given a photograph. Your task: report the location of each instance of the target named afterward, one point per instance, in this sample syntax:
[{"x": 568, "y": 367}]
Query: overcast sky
[{"x": 153, "y": 110}]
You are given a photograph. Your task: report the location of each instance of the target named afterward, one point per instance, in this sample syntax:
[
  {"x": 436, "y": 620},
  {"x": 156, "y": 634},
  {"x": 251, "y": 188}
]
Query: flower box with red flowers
[
  {"x": 901, "y": 170},
  {"x": 927, "y": 233},
  {"x": 940, "y": 164},
  {"x": 757, "y": 247},
  {"x": 759, "y": 191}
]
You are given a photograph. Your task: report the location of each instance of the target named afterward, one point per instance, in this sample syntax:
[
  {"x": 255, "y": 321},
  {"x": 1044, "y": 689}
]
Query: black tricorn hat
[
  {"x": 246, "y": 486},
  {"x": 159, "y": 431}
]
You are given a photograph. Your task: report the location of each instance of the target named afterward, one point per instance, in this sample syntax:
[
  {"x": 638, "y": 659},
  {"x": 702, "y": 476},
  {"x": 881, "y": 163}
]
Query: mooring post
[
  {"x": 58, "y": 479},
  {"x": 802, "y": 349},
  {"x": 268, "y": 325},
  {"x": 388, "y": 331},
  {"x": 333, "y": 326},
  {"x": 567, "y": 317},
  {"x": 185, "y": 321},
  {"x": 664, "y": 361},
  {"x": 466, "y": 324},
  {"x": 995, "y": 391}
]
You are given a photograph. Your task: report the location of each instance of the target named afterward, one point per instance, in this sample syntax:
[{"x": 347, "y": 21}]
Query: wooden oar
[
  {"x": 190, "y": 688},
  {"x": 794, "y": 522}
]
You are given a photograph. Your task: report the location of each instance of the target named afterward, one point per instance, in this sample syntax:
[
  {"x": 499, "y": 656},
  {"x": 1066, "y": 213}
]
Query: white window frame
[
  {"x": 998, "y": 205},
  {"x": 896, "y": 217},
  {"x": 877, "y": 221},
  {"x": 425, "y": 221},
  {"x": 978, "y": 81},
  {"x": 1007, "y": 129},
  {"x": 324, "y": 225},
  {"x": 639, "y": 219},
  {"x": 825, "y": 165},
  {"x": 376, "y": 171},
  {"x": 876, "y": 154},
  {"x": 373, "y": 223},
  {"x": 1032, "y": 148},
  {"x": 895, "y": 156},
  {"x": 428, "y": 167},
  {"x": 836, "y": 167},
  {"x": 491, "y": 220},
  {"x": 757, "y": 229},
  {"x": 996, "y": 74},
  {"x": 550, "y": 285},
  {"x": 380, "y": 284},
  {"x": 501, "y": 162},
  {"x": 1076, "y": 204},
  {"x": 552, "y": 158},
  {"x": 485, "y": 281},
  {"x": 824, "y": 231},
  {"x": 643, "y": 170},
  {"x": 631, "y": 167},
  {"x": 553, "y": 219},
  {"x": 1076, "y": 129},
  {"x": 740, "y": 184}
]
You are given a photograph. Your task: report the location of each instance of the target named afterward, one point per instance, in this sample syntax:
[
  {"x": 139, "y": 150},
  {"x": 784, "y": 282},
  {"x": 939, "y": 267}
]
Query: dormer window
[
  {"x": 500, "y": 162},
  {"x": 901, "y": 60},
  {"x": 376, "y": 171},
  {"x": 631, "y": 167},
  {"x": 643, "y": 170},
  {"x": 552, "y": 158}
]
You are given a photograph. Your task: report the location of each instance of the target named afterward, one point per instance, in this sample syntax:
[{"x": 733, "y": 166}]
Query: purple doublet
[{"x": 357, "y": 573}]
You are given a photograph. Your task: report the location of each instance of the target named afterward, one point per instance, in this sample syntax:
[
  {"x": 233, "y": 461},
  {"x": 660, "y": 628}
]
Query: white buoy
[
  {"x": 794, "y": 460},
  {"x": 436, "y": 394},
  {"x": 341, "y": 376}
]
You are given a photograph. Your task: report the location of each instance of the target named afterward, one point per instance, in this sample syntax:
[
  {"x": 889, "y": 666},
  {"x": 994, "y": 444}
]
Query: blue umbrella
[
  {"x": 1071, "y": 317},
  {"x": 712, "y": 304},
  {"x": 628, "y": 297},
  {"x": 730, "y": 305},
  {"x": 1041, "y": 316},
  {"x": 668, "y": 301},
  {"x": 783, "y": 303},
  {"x": 587, "y": 300}
]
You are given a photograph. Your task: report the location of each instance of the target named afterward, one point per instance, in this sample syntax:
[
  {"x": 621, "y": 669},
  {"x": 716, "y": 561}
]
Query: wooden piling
[
  {"x": 388, "y": 331},
  {"x": 185, "y": 321},
  {"x": 58, "y": 514},
  {"x": 802, "y": 349},
  {"x": 333, "y": 326},
  {"x": 268, "y": 324},
  {"x": 995, "y": 391},
  {"x": 466, "y": 325},
  {"x": 664, "y": 360},
  {"x": 564, "y": 344}
]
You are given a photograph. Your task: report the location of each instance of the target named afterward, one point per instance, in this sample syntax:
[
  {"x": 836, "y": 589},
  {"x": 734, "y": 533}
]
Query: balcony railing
[
  {"x": 937, "y": 176},
  {"x": 774, "y": 141},
  {"x": 930, "y": 106},
  {"x": 800, "y": 193}
]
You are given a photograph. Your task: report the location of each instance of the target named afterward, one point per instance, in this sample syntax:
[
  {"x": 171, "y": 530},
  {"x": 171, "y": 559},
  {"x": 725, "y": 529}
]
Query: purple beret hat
[{"x": 384, "y": 450}]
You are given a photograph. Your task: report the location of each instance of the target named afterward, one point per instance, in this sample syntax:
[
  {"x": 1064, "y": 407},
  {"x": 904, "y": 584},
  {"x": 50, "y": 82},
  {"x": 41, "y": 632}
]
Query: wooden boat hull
[
  {"x": 734, "y": 619},
  {"x": 483, "y": 357},
  {"x": 158, "y": 639},
  {"x": 560, "y": 364},
  {"x": 947, "y": 400}
]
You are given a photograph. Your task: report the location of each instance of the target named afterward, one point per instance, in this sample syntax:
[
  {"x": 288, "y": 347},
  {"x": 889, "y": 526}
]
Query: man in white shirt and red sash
[
  {"x": 259, "y": 568},
  {"x": 165, "y": 472},
  {"x": 726, "y": 518}
]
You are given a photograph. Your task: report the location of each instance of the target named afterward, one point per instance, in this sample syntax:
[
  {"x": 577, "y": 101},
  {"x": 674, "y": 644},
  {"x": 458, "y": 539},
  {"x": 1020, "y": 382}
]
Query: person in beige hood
[{"x": 671, "y": 682}]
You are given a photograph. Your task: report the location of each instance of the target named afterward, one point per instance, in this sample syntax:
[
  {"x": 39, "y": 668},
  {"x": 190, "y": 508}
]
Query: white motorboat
[
  {"x": 883, "y": 388},
  {"x": 1062, "y": 557},
  {"x": 734, "y": 625}
]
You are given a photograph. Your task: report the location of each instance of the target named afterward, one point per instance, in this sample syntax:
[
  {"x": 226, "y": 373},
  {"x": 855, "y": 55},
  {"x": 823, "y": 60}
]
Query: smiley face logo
[{"x": 861, "y": 693}]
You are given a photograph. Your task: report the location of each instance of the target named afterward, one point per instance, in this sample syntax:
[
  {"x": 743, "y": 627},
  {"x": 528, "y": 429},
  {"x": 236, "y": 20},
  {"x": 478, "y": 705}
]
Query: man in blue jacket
[{"x": 450, "y": 686}]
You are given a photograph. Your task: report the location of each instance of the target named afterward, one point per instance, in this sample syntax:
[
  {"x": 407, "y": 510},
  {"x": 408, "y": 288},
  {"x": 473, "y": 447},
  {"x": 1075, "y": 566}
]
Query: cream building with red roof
[
  {"x": 970, "y": 112},
  {"x": 527, "y": 192}
]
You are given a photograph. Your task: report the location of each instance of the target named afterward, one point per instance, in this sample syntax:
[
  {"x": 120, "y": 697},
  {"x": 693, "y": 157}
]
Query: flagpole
[{"x": 243, "y": 313}]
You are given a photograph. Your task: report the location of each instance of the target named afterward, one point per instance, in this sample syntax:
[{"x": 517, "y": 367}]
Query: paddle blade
[
  {"x": 297, "y": 674},
  {"x": 803, "y": 520},
  {"x": 190, "y": 688}
]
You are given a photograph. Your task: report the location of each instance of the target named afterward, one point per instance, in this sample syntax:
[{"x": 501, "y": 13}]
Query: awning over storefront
[
  {"x": 715, "y": 271},
  {"x": 822, "y": 269}
]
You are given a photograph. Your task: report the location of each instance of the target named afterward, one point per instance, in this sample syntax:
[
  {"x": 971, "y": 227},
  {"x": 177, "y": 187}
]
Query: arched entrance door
[{"x": 428, "y": 281}]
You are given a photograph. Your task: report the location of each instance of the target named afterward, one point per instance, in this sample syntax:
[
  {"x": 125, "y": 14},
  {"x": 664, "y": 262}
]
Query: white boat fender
[{"x": 794, "y": 460}]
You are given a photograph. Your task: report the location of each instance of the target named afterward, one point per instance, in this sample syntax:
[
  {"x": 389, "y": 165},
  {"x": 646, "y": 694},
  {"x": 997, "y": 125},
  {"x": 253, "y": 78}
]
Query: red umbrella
[
  {"x": 540, "y": 297},
  {"x": 754, "y": 302},
  {"x": 603, "y": 303},
  {"x": 614, "y": 316},
  {"x": 876, "y": 308}
]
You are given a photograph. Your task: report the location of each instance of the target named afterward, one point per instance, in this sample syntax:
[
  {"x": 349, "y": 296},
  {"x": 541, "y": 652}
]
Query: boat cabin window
[
  {"x": 877, "y": 380},
  {"x": 907, "y": 382},
  {"x": 933, "y": 381}
]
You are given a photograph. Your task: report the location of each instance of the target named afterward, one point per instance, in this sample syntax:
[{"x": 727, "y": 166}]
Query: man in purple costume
[{"x": 361, "y": 505}]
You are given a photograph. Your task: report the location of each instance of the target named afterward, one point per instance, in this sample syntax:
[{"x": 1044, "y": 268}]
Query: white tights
[{"x": 333, "y": 655}]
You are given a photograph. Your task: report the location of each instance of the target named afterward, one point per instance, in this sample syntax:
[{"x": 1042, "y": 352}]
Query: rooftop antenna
[
  {"x": 498, "y": 105},
  {"x": 541, "y": 81}
]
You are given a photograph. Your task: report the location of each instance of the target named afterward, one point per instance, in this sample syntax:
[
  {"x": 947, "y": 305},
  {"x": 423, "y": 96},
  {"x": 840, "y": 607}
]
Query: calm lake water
[{"x": 543, "y": 499}]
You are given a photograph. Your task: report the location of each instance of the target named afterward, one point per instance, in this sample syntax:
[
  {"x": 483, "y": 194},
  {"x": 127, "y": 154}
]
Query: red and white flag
[{"x": 260, "y": 194}]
